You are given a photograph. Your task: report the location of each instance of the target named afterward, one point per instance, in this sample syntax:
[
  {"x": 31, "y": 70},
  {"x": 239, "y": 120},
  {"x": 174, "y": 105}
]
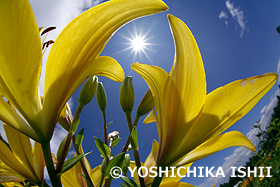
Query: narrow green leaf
[
  {"x": 89, "y": 184},
  {"x": 68, "y": 164},
  {"x": 134, "y": 140},
  {"x": 109, "y": 123},
  {"x": 79, "y": 138},
  {"x": 129, "y": 182},
  {"x": 75, "y": 125},
  {"x": 115, "y": 142},
  {"x": 122, "y": 185},
  {"x": 102, "y": 147},
  {"x": 116, "y": 161},
  {"x": 61, "y": 147}
]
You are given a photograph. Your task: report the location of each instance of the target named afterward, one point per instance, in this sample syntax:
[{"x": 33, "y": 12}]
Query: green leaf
[
  {"x": 75, "y": 125},
  {"x": 116, "y": 161},
  {"x": 79, "y": 138},
  {"x": 61, "y": 147},
  {"x": 68, "y": 164},
  {"x": 109, "y": 123},
  {"x": 134, "y": 140},
  {"x": 122, "y": 185},
  {"x": 115, "y": 142},
  {"x": 89, "y": 184},
  {"x": 102, "y": 147},
  {"x": 129, "y": 182}
]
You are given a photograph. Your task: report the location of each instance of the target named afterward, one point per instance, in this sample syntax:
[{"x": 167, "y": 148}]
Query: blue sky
[{"x": 237, "y": 39}]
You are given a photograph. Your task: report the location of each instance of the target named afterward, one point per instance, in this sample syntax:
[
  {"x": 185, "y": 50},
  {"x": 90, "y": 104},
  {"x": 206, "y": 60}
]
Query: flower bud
[
  {"x": 126, "y": 95},
  {"x": 65, "y": 118},
  {"x": 101, "y": 96},
  {"x": 88, "y": 90},
  {"x": 114, "y": 135},
  {"x": 147, "y": 104},
  {"x": 126, "y": 163}
]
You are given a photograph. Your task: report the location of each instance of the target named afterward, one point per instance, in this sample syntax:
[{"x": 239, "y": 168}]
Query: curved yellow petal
[
  {"x": 22, "y": 149},
  {"x": 81, "y": 42},
  {"x": 150, "y": 118},
  {"x": 11, "y": 161},
  {"x": 218, "y": 143},
  {"x": 156, "y": 78},
  {"x": 11, "y": 117},
  {"x": 176, "y": 184},
  {"x": 185, "y": 91},
  {"x": 20, "y": 57},
  {"x": 95, "y": 176},
  {"x": 226, "y": 105},
  {"x": 8, "y": 175}
]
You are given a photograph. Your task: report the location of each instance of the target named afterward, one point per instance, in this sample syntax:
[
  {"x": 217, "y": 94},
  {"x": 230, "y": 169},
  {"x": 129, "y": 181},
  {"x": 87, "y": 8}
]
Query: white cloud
[
  {"x": 278, "y": 70},
  {"x": 237, "y": 15},
  {"x": 58, "y": 14},
  {"x": 2, "y": 131},
  {"x": 223, "y": 15},
  {"x": 241, "y": 155}
]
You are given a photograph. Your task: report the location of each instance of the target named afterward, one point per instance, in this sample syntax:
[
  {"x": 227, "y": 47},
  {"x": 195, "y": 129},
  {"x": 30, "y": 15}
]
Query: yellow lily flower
[
  {"x": 151, "y": 162},
  {"x": 189, "y": 120},
  {"x": 74, "y": 176},
  {"x": 19, "y": 161},
  {"x": 72, "y": 58}
]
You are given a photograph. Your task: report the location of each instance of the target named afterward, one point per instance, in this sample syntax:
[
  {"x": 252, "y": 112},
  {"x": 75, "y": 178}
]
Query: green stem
[
  {"x": 137, "y": 117},
  {"x": 135, "y": 151},
  {"x": 107, "y": 181},
  {"x": 68, "y": 141},
  {"x": 157, "y": 181},
  {"x": 55, "y": 179},
  {"x": 82, "y": 162},
  {"x": 104, "y": 127}
]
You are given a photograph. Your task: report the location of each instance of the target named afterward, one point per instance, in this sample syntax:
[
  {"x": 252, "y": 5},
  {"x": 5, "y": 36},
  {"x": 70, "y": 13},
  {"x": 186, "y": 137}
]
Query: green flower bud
[
  {"x": 126, "y": 163},
  {"x": 88, "y": 90},
  {"x": 101, "y": 96},
  {"x": 126, "y": 94},
  {"x": 147, "y": 104}
]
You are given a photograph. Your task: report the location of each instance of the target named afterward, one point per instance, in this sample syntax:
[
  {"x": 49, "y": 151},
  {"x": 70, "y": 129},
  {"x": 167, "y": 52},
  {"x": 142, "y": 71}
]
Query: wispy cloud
[
  {"x": 223, "y": 15},
  {"x": 241, "y": 155},
  {"x": 236, "y": 13}
]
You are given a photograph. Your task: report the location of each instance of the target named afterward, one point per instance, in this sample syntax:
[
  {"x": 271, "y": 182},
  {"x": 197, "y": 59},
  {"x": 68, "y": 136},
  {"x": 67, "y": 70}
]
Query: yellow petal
[
  {"x": 226, "y": 105},
  {"x": 11, "y": 160},
  {"x": 89, "y": 33},
  {"x": 39, "y": 160},
  {"x": 185, "y": 91},
  {"x": 104, "y": 66},
  {"x": 8, "y": 175},
  {"x": 95, "y": 176},
  {"x": 176, "y": 184},
  {"x": 156, "y": 78},
  {"x": 182, "y": 172},
  {"x": 150, "y": 118},
  {"x": 68, "y": 179},
  {"x": 22, "y": 149},
  {"x": 11, "y": 117},
  {"x": 20, "y": 57},
  {"x": 218, "y": 143}
]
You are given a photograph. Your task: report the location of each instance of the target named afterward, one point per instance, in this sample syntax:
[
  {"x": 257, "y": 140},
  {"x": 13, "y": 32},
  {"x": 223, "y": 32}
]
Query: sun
[{"x": 138, "y": 43}]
